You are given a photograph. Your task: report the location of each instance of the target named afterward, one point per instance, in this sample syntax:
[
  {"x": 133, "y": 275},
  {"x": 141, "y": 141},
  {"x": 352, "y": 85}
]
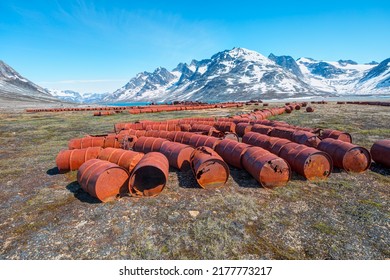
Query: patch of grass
[{"x": 324, "y": 228}]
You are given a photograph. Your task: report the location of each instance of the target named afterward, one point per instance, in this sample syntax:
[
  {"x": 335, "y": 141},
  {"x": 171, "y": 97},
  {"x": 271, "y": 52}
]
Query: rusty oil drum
[
  {"x": 350, "y": 157},
  {"x": 150, "y": 175},
  {"x": 380, "y": 152},
  {"x": 336, "y": 134},
  {"x": 210, "y": 170},
  {"x": 123, "y": 158},
  {"x": 307, "y": 161},
  {"x": 242, "y": 128},
  {"x": 148, "y": 144},
  {"x": 102, "y": 179},
  {"x": 268, "y": 169},
  {"x": 231, "y": 151},
  {"x": 178, "y": 154},
  {"x": 67, "y": 160}
]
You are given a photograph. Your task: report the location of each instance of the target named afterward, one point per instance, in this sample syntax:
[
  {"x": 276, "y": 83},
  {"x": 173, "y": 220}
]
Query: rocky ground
[{"x": 45, "y": 215}]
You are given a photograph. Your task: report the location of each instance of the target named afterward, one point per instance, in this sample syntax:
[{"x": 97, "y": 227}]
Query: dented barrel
[
  {"x": 209, "y": 168},
  {"x": 350, "y": 157},
  {"x": 268, "y": 169},
  {"x": 336, "y": 134},
  {"x": 231, "y": 151},
  {"x": 380, "y": 152},
  {"x": 178, "y": 154},
  {"x": 305, "y": 138},
  {"x": 242, "y": 128},
  {"x": 150, "y": 175},
  {"x": 102, "y": 179}
]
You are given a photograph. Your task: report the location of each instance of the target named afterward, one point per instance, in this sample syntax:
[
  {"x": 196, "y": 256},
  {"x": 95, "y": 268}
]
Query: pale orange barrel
[
  {"x": 148, "y": 144},
  {"x": 242, "y": 128},
  {"x": 350, "y": 157},
  {"x": 150, "y": 175},
  {"x": 268, "y": 169},
  {"x": 203, "y": 140},
  {"x": 336, "y": 134},
  {"x": 123, "y": 158},
  {"x": 210, "y": 170},
  {"x": 262, "y": 129},
  {"x": 102, "y": 179},
  {"x": 257, "y": 139},
  {"x": 67, "y": 160},
  {"x": 231, "y": 151},
  {"x": 307, "y": 161},
  {"x": 305, "y": 138},
  {"x": 380, "y": 152},
  {"x": 178, "y": 154}
]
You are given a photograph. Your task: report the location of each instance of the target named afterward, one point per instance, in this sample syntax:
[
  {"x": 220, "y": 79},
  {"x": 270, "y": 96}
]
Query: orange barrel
[
  {"x": 242, "y": 128},
  {"x": 203, "y": 140},
  {"x": 207, "y": 129},
  {"x": 209, "y": 168},
  {"x": 268, "y": 169},
  {"x": 350, "y": 157},
  {"x": 380, "y": 152},
  {"x": 336, "y": 134},
  {"x": 158, "y": 133},
  {"x": 257, "y": 139},
  {"x": 231, "y": 151},
  {"x": 276, "y": 144},
  {"x": 126, "y": 141},
  {"x": 231, "y": 136},
  {"x": 185, "y": 127},
  {"x": 102, "y": 179},
  {"x": 123, "y": 158},
  {"x": 263, "y": 129},
  {"x": 282, "y": 132},
  {"x": 309, "y": 162},
  {"x": 148, "y": 144},
  {"x": 72, "y": 159},
  {"x": 85, "y": 142},
  {"x": 150, "y": 175},
  {"x": 178, "y": 154},
  {"x": 134, "y": 132},
  {"x": 225, "y": 126},
  {"x": 309, "y": 109},
  {"x": 305, "y": 138},
  {"x": 111, "y": 141}
]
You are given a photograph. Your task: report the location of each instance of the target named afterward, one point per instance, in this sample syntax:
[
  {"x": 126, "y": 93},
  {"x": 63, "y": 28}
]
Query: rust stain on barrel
[
  {"x": 336, "y": 134},
  {"x": 209, "y": 168},
  {"x": 231, "y": 151},
  {"x": 178, "y": 154},
  {"x": 380, "y": 152}
]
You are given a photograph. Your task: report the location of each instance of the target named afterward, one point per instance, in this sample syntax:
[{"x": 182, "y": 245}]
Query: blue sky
[{"x": 97, "y": 46}]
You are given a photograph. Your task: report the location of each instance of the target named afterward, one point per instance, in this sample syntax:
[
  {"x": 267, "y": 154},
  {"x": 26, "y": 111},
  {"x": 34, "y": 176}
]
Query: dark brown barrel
[
  {"x": 150, "y": 175},
  {"x": 148, "y": 144},
  {"x": 203, "y": 140},
  {"x": 209, "y": 168},
  {"x": 309, "y": 109},
  {"x": 72, "y": 159},
  {"x": 178, "y": 154},
  {"x": 242, "y": 128},
  {"x": 309, "y": 162},
  {"x": 263, "y": 129},
  {"x": 336, "y": 134},
  {"x": 305, "y": 138},
  {"x": 123, "y": 158},
  {"x": 269, "y": 170},
  {"x": 102, "y": 179},
  {"x": 231, "y": 151},
  {"x": 380, "y": 152},
  {"x": 350, "y": 157}
]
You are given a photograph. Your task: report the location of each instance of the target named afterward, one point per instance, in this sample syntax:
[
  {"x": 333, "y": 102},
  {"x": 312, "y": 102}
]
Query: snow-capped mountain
[
  {"x": 13, "y": 86},
  {"x": 236, "y": 74},
  {"x": 376, "y": 80},
  {"x": 73, "y": 96}
]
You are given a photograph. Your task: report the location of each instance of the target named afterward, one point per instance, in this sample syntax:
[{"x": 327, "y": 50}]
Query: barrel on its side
[
  {"x": 336, "y": 134},
  {"x": 380, "y": 152},
  {"x": 123, "y": 158},
  {"x": 178, "y": 154},
  {"x": 231, "y": 151},
  {"x": 67, "y": 160}
]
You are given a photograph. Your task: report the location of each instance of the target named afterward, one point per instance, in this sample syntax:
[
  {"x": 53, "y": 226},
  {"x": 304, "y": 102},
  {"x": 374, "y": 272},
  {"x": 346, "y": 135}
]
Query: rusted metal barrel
[
  {"x": 269, "y": 170},
  {"x": 231, "y": 136},
  {"x": 158, "y": 133},
  {"x": 123, "y": 158},
  {"x": 257, "y": 139},
  {"x": 242, "y": 128},
  {"x": 350, "y": 157},
  {"x": 67, "y": 160},
  {"x": 148, "y": 144},
  {"x": 204, "y": 128},
  {"x": 282, "y": 132},
  {"x": 231, "y": 151},
  {"x": 209, "y": 168},
  {"x": 111, "y": 141},
  {"x": 150, "y": 175},
  {"x": 263, "y": 129},
  {"x": 309, "y": 109},
  {"x": 307, "y": 161},
  {"x": 305, "y": 138},
  {"x": 203, "y": 140},
  {"x": 225, "y": 126},
  {"x": 102, "y": 179},
  {"x": 380, "y": 152},
  {"x": 336, "y": 134},
  {"x": 85, "y": 142},
  {"x": 178, "y": 154}
]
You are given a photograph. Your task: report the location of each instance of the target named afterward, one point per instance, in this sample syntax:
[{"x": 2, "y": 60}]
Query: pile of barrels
[{"x": 135, "y": 160}]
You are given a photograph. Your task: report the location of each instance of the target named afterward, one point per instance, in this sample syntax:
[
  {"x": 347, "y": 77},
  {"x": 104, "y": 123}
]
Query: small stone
[{"x": 194, "y": 214}]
